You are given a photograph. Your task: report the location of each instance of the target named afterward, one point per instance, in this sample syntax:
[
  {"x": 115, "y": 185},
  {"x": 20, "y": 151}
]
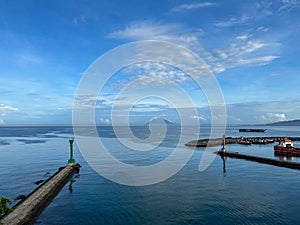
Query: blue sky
[{"x": 251, "y": 46}]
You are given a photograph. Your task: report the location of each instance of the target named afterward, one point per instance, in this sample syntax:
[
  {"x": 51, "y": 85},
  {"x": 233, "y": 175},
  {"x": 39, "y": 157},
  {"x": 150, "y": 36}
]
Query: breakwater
[
  {"x": 274, "y": 162},
  {"x": 234, "y": 140},
  {"x": 29, "y": 209}
]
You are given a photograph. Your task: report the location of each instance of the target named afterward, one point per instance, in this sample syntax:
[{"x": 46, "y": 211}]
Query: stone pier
[{"x": 28, "y": 210}]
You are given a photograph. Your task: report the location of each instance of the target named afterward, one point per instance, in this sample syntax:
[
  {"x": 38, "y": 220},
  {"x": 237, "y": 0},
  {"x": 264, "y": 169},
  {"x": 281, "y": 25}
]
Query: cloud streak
[
  {"x": 243, "y": 50},
  {"x": 288, "y": 5},
  {"x": 8, "y": 108},
  {"x": 234, "y": 21},
  {"x": 164, "y": 32},
  {"x": 186, "y": 7}
]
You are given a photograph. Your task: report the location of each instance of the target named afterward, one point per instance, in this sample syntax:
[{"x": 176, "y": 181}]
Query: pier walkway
[
  {"x": 275, "y": 162},
  {"x": 28, "y": 210},
  {"x": 233, "y": 140}
]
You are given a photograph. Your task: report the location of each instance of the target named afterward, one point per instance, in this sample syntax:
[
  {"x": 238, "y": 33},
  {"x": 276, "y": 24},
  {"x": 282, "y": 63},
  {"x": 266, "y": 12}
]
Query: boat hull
[
  {"x": 252, "y": 130},
  {"x": 285, "y": 150}
]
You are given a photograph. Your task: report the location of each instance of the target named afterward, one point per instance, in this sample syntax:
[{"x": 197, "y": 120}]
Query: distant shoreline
[{"x": 285, "y": 123}]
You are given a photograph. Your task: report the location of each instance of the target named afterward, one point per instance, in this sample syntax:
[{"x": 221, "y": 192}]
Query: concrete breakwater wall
[
  {"x": 232, "y": 140},
  {"x": 28, "y": 210},
  {"x": 274, "y": 162}
]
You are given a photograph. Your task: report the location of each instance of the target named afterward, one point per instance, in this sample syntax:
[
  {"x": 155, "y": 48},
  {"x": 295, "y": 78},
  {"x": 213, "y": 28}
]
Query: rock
[
  {"x": 20, "y": 197},
  {"x": 38, "y": 182}
]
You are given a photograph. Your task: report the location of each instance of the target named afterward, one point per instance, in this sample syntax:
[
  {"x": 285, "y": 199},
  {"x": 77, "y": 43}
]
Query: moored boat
[
  {"x": 270, "y": 140},
  {"x": 286, "y": 146},
  {"x": 260, "y": 142},
  {"x": 252, "y": 130},
  {"x": 244, "y": 142}
]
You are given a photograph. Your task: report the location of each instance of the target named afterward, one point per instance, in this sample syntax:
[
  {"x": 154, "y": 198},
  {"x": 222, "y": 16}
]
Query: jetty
[
  {"x": 274, "y": 162},
  {"x": 29, "y": 209},
  {"x": 224, "y": 154},
  {"x": 234, "y": 140}
]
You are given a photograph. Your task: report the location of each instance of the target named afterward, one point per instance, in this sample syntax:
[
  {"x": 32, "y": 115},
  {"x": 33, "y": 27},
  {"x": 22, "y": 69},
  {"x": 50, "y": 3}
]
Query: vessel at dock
[
  {"x": 286, "y": 146},
  {"x": 252, "y": 130},
  {"x": 260, "y": 141},
  {"x": 244, "y": 141}
]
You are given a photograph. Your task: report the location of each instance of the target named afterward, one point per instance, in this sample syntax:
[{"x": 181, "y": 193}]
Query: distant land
[
  {"x": 157, "y": 121},
  {"x": 285, "y": 123}
]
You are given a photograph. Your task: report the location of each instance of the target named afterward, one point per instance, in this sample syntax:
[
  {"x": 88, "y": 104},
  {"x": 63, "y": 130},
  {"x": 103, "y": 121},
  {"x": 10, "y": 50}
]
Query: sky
[{"x": 251, "y": 47}]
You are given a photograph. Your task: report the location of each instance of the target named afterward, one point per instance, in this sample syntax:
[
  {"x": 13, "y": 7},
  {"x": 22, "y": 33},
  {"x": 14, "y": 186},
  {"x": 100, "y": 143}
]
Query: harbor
[
  {"x": 247, "y": 188},
  {"x": 237, "y": 140},
  {"x": 281, "y": 163}
]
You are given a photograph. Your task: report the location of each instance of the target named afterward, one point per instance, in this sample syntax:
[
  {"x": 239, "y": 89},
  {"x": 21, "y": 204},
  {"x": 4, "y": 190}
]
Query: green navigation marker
[{"x": 71, "y": 160}]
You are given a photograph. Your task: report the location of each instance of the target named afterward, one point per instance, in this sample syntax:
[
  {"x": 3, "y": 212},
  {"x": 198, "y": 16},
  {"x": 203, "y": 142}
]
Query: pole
[
  {"x": 223, "y": 149},
  {"x": 71, "y": 160}
]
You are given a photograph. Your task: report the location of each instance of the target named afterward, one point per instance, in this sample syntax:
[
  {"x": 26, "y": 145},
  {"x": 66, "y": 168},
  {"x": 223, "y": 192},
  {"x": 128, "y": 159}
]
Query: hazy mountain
[
  {"x": 157, "y": 121},
  {"x": 286, "y": 123}
]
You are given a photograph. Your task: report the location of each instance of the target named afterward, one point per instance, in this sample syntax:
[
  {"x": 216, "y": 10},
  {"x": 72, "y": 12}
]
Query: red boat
[{"x": 286, "y": 146}]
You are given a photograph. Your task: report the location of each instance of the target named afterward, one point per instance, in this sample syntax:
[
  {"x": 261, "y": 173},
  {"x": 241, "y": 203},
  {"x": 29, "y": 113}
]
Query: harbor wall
[
  {"x": 231, "y": 140},
  {"x": 274, "y": 162},
  {"x": 28, "y": 210}
]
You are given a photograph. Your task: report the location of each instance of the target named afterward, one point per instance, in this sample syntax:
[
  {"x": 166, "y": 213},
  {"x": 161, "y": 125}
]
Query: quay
[
  {"x": 224, "y": 154},
  {"x": 29, "y": 209},
  {"x": 274, "y": 162},
  {"x": 232, "y": 140}
]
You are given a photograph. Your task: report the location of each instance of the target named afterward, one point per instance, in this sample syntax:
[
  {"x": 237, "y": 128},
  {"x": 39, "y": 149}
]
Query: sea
[{"x": 246, "y": 193}]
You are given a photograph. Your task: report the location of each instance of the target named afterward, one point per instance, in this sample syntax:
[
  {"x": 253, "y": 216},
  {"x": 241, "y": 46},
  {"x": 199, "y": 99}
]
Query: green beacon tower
[{"x": 71, "y": 160}]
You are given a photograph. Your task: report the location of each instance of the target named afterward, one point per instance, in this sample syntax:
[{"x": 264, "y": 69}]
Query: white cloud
[
  {"x": 242, "y": 37},
  {"x": 273, "y": 117},
  {"x": 79, "y": 19},
  {"x": 264, "y": 112},
  {"x": 198, "y": 117},
  {"x": 258, "y": 61},
  {"x": 264, "y": 7},
  {"x": 5, "y": 111},
  {"x": 91, "y": 101},
  {"x": 243, "y": 50},
  {"x": 149, "y": 107},
  {"x": 262, "y": 28},
  {"x": 234, "y": 21},
  {"x": 153, "y": 74},
  {"x": 164, "y": 32},
  {"x": 287, "y": 5},
  {"x": 8, "y": 108},
  {"x": 185, "y": 7}
]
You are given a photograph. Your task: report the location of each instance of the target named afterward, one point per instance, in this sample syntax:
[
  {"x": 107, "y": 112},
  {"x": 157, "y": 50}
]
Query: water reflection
[
  {"x": 71, "y": 185},
  {"x": 73, "y": 179},
  {"x": 285, "y": 156},
  {"x": 224, "y": 158}
]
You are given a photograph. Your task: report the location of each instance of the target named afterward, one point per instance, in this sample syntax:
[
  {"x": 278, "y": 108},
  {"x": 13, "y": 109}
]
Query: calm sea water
[{"x": 248, "y": 193}]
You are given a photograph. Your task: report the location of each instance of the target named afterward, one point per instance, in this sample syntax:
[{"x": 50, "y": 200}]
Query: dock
[
  {"x": 232, "y": 140},
  {"x": 28, "y": 210},
  {"x": 274, "y": 162}
]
